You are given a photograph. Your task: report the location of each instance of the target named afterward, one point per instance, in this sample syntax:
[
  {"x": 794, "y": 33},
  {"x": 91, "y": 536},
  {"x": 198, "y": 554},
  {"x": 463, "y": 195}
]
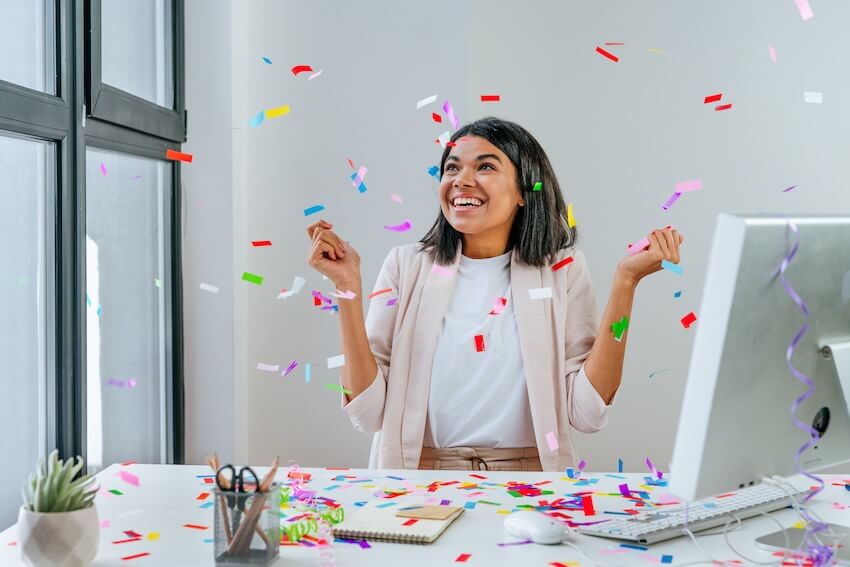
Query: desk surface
[{"x": 167, "y": 498}]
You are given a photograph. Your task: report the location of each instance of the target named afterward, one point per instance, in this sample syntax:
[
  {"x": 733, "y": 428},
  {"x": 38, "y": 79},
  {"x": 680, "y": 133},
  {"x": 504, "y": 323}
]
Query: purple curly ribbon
[{"x": 819, "y": 554}]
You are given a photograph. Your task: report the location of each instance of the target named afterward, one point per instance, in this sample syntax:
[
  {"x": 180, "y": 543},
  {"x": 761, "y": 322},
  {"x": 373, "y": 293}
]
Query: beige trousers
[{"x": 480, "y": 458}]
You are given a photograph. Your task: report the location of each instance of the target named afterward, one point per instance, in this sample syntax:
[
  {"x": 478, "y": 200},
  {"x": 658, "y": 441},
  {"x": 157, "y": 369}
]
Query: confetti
[
  {"x": 687, "y": 186},
  {"x": 771, "y": 51},
  {"x": 441, "y": 270},
  {"x": 301, "y": 69},
  {"x": 463, "y": 557},
  {"x": 358, "y": 179},
  {"x": 129, "y": 477},
  {"x": 336, "y": 361},
  {"x": 538, "y": 186},
  {"x": 395, "y": 198},
  {"x": 153, "y": 536},
  {"x": 610, "y": 56},
  {"x": 258, "y": 243},
  {"x": 268, "y": 367},
  {"x": 619, "y": 465},
  {"x": 669, "y": 203},
  {"x": 290, "y": 368},
  {"x": 619, "y": 327},
  {"x": 434, "y": 172},
  {"x": 115, "y": 382},
  {"x": 639, "y": 246},
  {"x": 297, "y": 284},
  {"x": 552, "y": 440},
  {"x": 257, "y": 119},
  {"x": 116, "y": 492},
  {"x": 624, "y": 490},
  {"x": 426, "y": 101},
  {"x": 813, "y": 97},
  {"x": 136, "y": 556},
  {"x": 307, "y": 372},
  {"x": 490, "y": 98},
  {"x": 675, "y": 268},
  {"x": 278, "y": 111},
  {"x": 344, "y": 294},
  {"x": 195, "y": 527},
  {"x": 804, "y": 8},
  {"x": 660, "y": 51},
  {"x": 450, "y": 114},
  {"x": 571, "y": 220},
  {"x": 658, "y": 372},
  {"x": 789, "y": 189},
  {"x": 252, "y": 278},
  {"x": 688, "y": 320},
  {"x": 209, "y": 288},
  {"x": 479, "y": 343},
  {"x": 677, "y": 295},
  {"x": 403, "y": 227},
  {"x": 499, "y": 305},
  {"x": 267, "y": 60},
  {"x": 103, "y": 168},
  {"x": 410, "y": 522},
  {"x": 314, "y": 75},
  {"x": 540, "y": 293},
  {"x": 723, "y": 107},
  {"x": 562, "y": 263},
  {"x": 444, "y": 138},
  {"x": 436, "y": 117},
  {"x": 380, "y": 292},
  {"x": 313, "y": 210},
  {"x": 178, "y": 156},
  {"x": 713, "y": 98}
]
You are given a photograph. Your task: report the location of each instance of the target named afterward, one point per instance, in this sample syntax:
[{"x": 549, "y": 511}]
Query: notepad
[{"x": 418, "y": 525}]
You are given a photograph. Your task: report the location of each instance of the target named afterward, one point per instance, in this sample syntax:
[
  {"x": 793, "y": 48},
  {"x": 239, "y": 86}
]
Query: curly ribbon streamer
[
  {"x": 818, "y": 553},
  {"x": 315, "y": 516}
]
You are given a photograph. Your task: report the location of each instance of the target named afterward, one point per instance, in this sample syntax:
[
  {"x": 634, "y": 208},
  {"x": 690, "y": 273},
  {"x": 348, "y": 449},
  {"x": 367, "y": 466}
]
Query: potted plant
[{"x": 57, "y": 524}]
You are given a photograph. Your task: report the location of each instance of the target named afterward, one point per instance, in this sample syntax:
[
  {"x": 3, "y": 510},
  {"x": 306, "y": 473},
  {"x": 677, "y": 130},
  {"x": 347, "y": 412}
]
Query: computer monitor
[{"x": 735, "y": 427}]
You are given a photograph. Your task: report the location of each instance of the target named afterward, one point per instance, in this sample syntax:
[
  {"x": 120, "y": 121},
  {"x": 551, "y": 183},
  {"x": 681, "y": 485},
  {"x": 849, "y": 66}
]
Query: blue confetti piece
[
  {"x": 667, "y": 559},
  {"x": 307, "y": 372},
  {"x": 395, "y": 477},
  {"x": 209, "y": 540},
  {"x": 313, "y": 210},
  {"x": 411, "y": 508},
  {"x": 570, "y": 472},
  {"x": 362, "y": 187},
  {"x": 99, "y": 310},
  {"x": 206, "y": 505},
  {"x": 469, "y": 505},
  {"x": 619, "y": 465},
  {"x": 88, "y": 300},
  {"x": 332, "y": 487},
  {"x": 434, "y": 172},
  {"x": 267, "y": 60},
  {"x": 258, "y": 119},
  {"x": 385, "y": 505},
  {"x": 630, "y": 546},
  {"x": 616, "y": 476},
  {"x": 675, "y": 268},
  {"x": 847, "y": 487},
  {"x": 677, "y": 295},
  {"x": 360, "y": 504}
]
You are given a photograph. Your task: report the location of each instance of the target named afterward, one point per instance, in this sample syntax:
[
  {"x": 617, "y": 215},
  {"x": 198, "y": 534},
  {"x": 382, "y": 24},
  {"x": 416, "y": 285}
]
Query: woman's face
[{"x": 477, "y": 170}]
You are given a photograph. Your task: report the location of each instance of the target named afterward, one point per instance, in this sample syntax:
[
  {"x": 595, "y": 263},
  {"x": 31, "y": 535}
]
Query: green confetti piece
[
  {"x": 116, "y": 492},
  {"x": 338, "y": 388},
  {"x": 619, "y": 328},
  {"x": 538, "y": 186},
  {"x": 489, "y": 502},
  {"x": 252, "y": 278}
]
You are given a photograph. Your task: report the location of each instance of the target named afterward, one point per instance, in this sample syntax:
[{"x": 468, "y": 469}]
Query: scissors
[{"x": 235, "y": 483}]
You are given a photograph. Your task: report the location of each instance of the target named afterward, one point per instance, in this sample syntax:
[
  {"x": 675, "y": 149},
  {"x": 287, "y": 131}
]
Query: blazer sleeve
[
  {"x": 366, "y": 411},
  {"x": 587, "y": 410}
]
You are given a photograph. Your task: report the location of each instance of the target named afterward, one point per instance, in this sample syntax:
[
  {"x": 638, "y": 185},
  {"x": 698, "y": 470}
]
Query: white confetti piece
[
  {"x": 813, "y": 97},
  {"x": 425, "y": 101},
  {"x": 540, "y": 293},
  {"x": 209, "y": 288},
  {"x": 268, "y": 367},
  {"x": 336, "y": 361},
  {"x": 444, "y": 138}
]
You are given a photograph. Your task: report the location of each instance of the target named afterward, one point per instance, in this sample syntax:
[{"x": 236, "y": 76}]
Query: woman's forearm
[
  {"x": 360, "y": 367},
  {"x": 604, "y": 365}
]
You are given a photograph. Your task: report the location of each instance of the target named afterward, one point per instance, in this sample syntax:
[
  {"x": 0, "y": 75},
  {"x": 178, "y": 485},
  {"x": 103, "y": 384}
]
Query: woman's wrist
[{"x": 625, "y": 280}]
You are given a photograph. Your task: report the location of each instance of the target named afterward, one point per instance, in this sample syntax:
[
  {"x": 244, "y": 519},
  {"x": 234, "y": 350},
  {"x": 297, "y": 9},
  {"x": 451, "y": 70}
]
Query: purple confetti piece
[
  {"x": 450, "y": 114},
  {"x": 318, "y": 295},
  {"x": 789, "y": 189},
  {"x": 624, "y": 490},
  {"x": 392, "y": 302},
  {"x": 131, "y": 383},
  {"x": 103, "y": 168},
  {"x": 403, "y": 227},
  {"x": 514, "y": 543},
  {"x": 116, "y": 382},
  {"x": 290, "y": 368},
  {"x": 581, "y": 465},
  {"x": 673, "y": 198}
]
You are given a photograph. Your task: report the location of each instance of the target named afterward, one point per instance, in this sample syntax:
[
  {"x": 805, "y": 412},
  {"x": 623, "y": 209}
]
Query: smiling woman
[{"x": 493, "y": 353}]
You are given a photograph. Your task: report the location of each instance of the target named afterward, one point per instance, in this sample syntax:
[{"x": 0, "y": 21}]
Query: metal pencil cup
[{"x": 247, "y": 526}]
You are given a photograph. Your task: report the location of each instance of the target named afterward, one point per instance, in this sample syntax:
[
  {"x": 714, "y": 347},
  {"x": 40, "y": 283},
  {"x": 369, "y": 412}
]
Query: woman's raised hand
[
  {"x": 663, "y": 245},
  {"x": 333, "y": 257}
]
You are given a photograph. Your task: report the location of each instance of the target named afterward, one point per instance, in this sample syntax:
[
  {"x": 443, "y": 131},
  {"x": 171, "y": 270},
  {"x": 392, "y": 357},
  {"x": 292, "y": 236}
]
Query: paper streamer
[
  {"x": 403, "y": 227},
  {"x": 818, "y": 553}
]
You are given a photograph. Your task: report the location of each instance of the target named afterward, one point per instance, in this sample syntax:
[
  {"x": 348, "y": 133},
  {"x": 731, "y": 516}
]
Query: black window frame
[{"x": 66, "y": 120}]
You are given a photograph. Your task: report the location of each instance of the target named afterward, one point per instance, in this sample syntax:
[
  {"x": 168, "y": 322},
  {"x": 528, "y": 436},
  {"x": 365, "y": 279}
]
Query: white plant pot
[{"x": 58, "y": 539}]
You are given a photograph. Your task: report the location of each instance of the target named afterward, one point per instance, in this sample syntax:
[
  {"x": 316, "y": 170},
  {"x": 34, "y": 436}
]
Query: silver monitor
[{"x": 735, "y": 427}]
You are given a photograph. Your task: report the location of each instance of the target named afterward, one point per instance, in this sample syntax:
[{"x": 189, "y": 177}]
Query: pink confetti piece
[
  {"x": 403, "y": 227},
  {"x": 103, "y": 168},
  {"x": 104, "y": 524},
  {"x": 804, "y": 8},
  {"x": 442, "y": 270},
  {"x": 552, "y": 441},
  {"x": 771, "y": 51},
  {"x": 361, "y": 173},
  {"x": 686, "y": 186},
  {"x": 638, "y": 246},
  {"x": 129, "y": 477},
  {"x": 396, "y": 198},
  {"x": 499, "y": 305},
  {"x": 669, "y": 203},
  {"x": 131, "y": 383},
  {"x": 344, "y": 294},
  {"x": 450, "y": 114}
]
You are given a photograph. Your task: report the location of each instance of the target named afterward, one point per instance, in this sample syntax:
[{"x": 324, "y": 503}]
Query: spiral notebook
[{"x": 420, "y": 524}]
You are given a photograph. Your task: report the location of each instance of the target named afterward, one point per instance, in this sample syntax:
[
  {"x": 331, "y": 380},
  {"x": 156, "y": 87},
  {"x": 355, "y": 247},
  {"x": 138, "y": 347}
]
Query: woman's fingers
[
  {"x": 659, "y": 244},
  {"x": 320, "y": 248},
  {"x": 320, "y": 223},
  {"x": 671, "y": 244},
  {"x": 331, "y": 238}
]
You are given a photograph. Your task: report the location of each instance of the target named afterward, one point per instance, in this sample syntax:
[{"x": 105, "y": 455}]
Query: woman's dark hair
[{"x": 540, "y": 228}]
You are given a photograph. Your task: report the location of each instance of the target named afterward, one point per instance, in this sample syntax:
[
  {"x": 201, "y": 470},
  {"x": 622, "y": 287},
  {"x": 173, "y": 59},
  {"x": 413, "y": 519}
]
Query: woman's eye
[{"x": 483, "y": 165}]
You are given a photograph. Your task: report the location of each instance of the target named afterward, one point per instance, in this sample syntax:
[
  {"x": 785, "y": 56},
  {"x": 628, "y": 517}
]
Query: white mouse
[{"x": 535, "y": 526}]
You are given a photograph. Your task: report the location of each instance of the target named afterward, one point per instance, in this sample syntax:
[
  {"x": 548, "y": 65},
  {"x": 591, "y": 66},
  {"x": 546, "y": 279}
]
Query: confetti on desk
[{"x": 129, "y": 477}]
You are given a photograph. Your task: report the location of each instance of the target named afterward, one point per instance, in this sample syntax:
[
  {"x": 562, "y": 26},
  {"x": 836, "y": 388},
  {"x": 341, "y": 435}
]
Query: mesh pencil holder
[{"x": 247, "y": 526}]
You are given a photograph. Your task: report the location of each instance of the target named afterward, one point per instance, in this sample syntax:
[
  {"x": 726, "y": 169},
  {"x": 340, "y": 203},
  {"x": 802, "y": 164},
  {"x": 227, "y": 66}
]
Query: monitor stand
[{"x": 839, "y": 353}]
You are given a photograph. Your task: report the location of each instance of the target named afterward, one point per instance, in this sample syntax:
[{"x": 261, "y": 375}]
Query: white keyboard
[{"x": 666, "y": 522}]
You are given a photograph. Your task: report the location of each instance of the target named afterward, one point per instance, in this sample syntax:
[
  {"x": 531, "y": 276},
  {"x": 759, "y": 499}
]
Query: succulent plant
[{"x": 52, "y": 488}]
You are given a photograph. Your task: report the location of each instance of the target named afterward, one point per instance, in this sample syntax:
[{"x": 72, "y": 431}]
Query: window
[{"x": 27, "y": 43}]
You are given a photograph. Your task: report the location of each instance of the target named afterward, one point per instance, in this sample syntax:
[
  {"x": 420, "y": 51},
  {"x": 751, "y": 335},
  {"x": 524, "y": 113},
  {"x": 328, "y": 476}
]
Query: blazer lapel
[
  {"x": 534, "y": 325},
  {"x": 433, "y": 304}
]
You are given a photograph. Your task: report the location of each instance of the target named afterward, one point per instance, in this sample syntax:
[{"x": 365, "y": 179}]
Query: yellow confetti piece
[
  {"x": 571, "y": 221},
  {"x": 153, "y": 536},
  {"x": 656, "y": 50},
  {"x": 799, "y": 526},
  {"x": 503, "y": 512},
  {"x": 279, "y": 111}
]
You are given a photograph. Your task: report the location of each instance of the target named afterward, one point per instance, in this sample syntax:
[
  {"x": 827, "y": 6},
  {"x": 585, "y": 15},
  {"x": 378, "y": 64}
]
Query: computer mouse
[{"x": 535, "y": 526}]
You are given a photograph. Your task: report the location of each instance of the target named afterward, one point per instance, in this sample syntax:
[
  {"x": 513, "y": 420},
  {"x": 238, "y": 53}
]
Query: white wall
[{"x": 619, "y": 134}]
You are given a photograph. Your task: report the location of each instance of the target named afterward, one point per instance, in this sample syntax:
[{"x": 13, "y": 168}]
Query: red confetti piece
[
  {"x": 128, "y": 540},
  {"x": 128, "y": 463},
  {"x": 261, "y": 243},
  {"x": 490, "y": 98},
  {"x": 479, "y": 343},
  {"x": 196, "y": 527},
  {"x": 410, "y": 522},
  {"x": 305, "y": 476},
  {"x": 562, "y": 263},
  {"x": 178, "y": 156},
  {"x": 451, "y": 144},
  {"x": 437, "y": 118},
  {"x": 713, "y": 98},
  {"x": 614, "y": 43},
  {"x": 203, "y": 496},
  {"x": 478, "y": 476},
  {"x": 463, "y": 557},
  {"x": 610, "y": 56},
  {"x": 131, "y": 533},
  {"x": 723, "y": 107},
  {"x": 316, "y": 301},
  {"x": 587, "y": 504},
  {"x": 688, "y": 320},
  {"x": 129, "y": 557},
  {"x": 301, "y": 69},
  {"x": 379, "y": 292},
  {"x": 208, "y": 481}
]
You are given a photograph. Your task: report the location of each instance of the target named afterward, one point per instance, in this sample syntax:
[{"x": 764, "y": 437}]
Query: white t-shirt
[{"x": 479, "y": 399}]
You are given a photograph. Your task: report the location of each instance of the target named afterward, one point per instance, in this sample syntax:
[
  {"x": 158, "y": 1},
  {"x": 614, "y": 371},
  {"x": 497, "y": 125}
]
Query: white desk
[{"x": 166, "y": 499}]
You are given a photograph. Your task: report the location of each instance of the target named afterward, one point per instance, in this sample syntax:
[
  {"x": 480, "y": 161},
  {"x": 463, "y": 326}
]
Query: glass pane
[
  {"x": 137, "y": 52},
  {"x": 126, "y": 212},
  {"x": 27, "y": 41},
  {"x": 26, "y": 178}
]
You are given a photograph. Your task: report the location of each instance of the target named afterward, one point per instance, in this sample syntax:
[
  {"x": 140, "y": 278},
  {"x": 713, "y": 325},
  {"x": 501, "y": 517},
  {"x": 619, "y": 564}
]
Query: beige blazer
[{"x": 555, "y": 337}]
